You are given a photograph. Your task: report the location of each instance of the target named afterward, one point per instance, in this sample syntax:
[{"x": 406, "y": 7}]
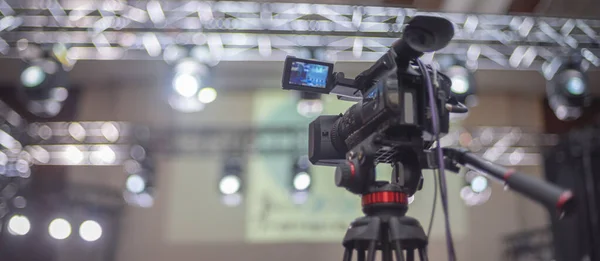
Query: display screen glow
[{"x": 309, "y": 74}]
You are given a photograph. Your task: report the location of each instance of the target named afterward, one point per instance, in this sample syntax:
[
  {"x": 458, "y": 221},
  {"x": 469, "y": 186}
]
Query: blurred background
[{"x": 158, "y": 130}]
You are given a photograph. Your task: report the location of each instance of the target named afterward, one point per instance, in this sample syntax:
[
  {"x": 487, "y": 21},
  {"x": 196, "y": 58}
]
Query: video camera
[{"x": 392, "y": 115}]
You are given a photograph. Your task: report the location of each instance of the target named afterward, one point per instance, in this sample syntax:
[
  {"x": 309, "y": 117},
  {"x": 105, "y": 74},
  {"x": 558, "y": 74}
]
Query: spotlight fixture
[
  {"x": 139, "y": 185},
  {"x": 19, "y": 225},
  {"x": 231, "y": 182},
  {"x": 567, "y": 90},
  {"x": 309, "y": 104},
  {"x": 59, "y": 229},
  {"x": 44, "y": 86},
  {"x": 463, "y": 81},
  {"x": 477, "y": 190},
  {"x": 301, "y": 179},
  {"x": 90, "y": 230},
  {"x": 190, "y": 93},
  {"x": 207, "y": 95}
]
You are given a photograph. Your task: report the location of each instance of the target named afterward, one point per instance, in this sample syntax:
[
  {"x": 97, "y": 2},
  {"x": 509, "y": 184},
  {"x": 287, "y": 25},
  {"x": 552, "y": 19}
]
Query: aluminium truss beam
[{"x": 233, "y": 31}]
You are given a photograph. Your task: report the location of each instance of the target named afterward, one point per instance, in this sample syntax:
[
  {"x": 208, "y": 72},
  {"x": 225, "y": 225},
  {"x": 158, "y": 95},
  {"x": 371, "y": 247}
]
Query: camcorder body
[{"x": 392, "y": 116}]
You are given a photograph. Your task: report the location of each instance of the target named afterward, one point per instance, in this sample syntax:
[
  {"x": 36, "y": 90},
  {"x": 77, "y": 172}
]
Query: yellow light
[{"x": 207, "y": 95}]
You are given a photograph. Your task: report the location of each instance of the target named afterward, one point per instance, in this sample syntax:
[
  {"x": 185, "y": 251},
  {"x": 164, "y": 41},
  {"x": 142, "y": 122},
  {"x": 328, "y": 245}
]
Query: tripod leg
[
  {"x": 386, "y": 252},
  {"x": 348, "y": 254},
  {"x": 423, "y": 254},
  {"x": 371, "y": 250},
  {"x": 360, "y": 255},
  {"x": 410, "y": 255},
  {"x": 398, "y": 251}
]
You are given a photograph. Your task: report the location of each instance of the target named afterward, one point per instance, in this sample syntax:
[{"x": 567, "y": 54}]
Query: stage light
[
  {"x": 43, "y": 83},
  {"x": 76, "y": 131},
  {"x": 59, "y": 229},
  {"x": 460, "y": 84},
  {"x": 19, "y": 225},
  {"x": 110, "y": 131},
  {"x": 309, "y": 104},
  {"x": 230, "y": 184},
  {"x": 207, "y": 95},
  {"x": 90, "y": 230},
  {"x": 135, "y": 184},
  {"x": 567, "y": 90},
  {"x": 186, "y": 85},
  {"x": 73, "y": 154},
  {"x": 477, "y": 190},
  {"x": 302, "y": 181},
  {"x": 103, "y": 155},
  {"x": 479, "y": 184},
  {"x": 463, "y": 82},
  {"x": 33, "y": 76}
]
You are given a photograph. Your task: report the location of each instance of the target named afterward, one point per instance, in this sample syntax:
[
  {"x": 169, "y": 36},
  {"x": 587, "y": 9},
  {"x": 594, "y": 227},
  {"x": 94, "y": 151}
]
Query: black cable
[
  {"x": 440, "y": 158},
  {"x": 435, "y": 190}
]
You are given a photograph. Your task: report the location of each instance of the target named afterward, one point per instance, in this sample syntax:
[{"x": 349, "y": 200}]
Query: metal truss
[{"x": 235, "y": 31}]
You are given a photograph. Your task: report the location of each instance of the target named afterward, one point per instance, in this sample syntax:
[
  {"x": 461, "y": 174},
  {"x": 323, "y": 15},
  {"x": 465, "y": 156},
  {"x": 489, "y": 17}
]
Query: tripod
[{"x": 384, "y": 226}]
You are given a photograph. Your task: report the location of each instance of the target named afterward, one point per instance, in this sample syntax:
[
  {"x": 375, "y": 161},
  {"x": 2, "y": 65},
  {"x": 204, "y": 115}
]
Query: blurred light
[
  {"x": 300, "y": 197},
  {"x": 309, "y": 108},
  {"x": 76, "y": 131},
  {"x": 22, "y": 166},
  {"x": 33, "y": 76},
  {"x": 173, "y": 53},
  {"x": 145, "y": 200},
  {"x": 90, "y": 230},
  {"x": 232, "y": 199},
  {"x": 19, "y": 202},
  {"x": 110, "y": 131},
  {"x": 44, "y": 131},
  {"x": 186, "y": 105},
  {"x": 132, "y": 166},
  {"x": 39, "y": 153},
  {"x": 567, "y": 90},
  {"x": 186, "y": 85},
  {"x": 460, "y": 84},
  {"x": 479, "y": 184},
  {"x": 487, "y": 136},
  {"x": 461, "y": 78},
  {"x": 155, "y": 12},
  {"x": 52, "y": 108},
  {"x": 207, "y": 95},
  {"x": 472, "y": 198},
  {"x": 135, "y": 184},
  {"x": 302, "y": 181},
  {"x": 19, "y": 225},
  {"x": 3, "y": 158},
  {"x": 137, "y": 152},
  {"x": 103, "y": 155},
  {"x": 152, "y": 45},
  {"x": 230, "y": 184},
  {"x": 59, "y": 94},
  {"x": 73, "y": 154},
  {"x": 516, "y": 156},
  {"x": 575, "y": 86},
  {"x": 59, "y": 229}
]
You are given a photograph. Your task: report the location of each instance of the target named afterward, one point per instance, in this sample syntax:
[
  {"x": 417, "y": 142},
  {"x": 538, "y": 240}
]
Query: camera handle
[{"x": 551, "y": 196}]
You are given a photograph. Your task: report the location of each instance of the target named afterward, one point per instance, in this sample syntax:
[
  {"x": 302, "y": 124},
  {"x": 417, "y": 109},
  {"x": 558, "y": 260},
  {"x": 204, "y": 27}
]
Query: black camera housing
[{"x": 394, "y": 110}]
